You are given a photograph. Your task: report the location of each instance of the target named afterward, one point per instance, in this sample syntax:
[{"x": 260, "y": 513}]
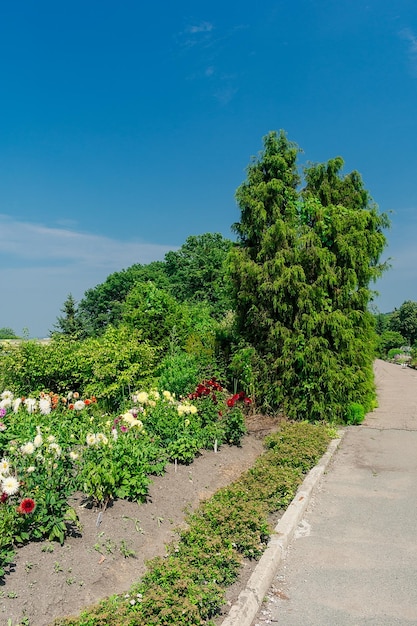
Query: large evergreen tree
[{"x": 301, "y": 272}]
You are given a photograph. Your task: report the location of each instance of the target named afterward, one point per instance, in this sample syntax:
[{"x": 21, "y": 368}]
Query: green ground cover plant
[{"x": 188, "y": 585}]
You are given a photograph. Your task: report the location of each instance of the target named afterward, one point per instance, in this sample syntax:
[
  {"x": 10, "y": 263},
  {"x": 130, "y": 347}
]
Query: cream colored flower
[
  {"x": 4, "y": 466},
  {"x": 30, "y": 404},
  {"x": 10, "y": 485},
  {"x": 128, "y": 417},
  {"x": 137, "y": 424},
  {"x": 55, "y": 448},
  {"x": 51, "y": 439},
  {"x": 31, "y": 469},
  {"x": 79, "y": 405},
  {"x": 16, "y": 404},
  {"x": 38, "y": 441},
  {"x": 27, "y": 448},
  {"x": 45, "y": 405},
  {"x": 142, "y": 397},
  {"x": 90, "y": 439},
  {"x": 101, "y": 438},
  {"x": 74, "y": 455}
]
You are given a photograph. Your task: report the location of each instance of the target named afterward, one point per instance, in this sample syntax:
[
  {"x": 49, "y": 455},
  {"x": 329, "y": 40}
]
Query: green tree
[
  {"x": 103, "y": 304},
  {"x": 388, "y": 340},
  {"x": 7, "y": 333},
  {"x": 197, "y": 271},
  {"x": 404, "y": 321},
  {"x": 301, "y": 272},
  {"x": 68, "y": 324},
  {"x": 156, "y": 314},
  {"x": 382, "y": 322}
]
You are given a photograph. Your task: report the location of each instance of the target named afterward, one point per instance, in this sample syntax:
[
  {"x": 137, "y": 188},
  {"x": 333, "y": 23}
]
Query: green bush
[
  {"x": 355, "y": 413},
  {"x": 394, "y": 352}
]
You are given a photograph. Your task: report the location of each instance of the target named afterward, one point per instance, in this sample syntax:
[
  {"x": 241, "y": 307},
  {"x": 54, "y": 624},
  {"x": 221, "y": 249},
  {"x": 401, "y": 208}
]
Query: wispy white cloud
[
  {"x": 210, "y": 57},
  {"x": 42, "y": 265},
  {"x": 408, "y": 35},
  {"x": 30, "y": 241},
  {"x": 202, "y": 27}
]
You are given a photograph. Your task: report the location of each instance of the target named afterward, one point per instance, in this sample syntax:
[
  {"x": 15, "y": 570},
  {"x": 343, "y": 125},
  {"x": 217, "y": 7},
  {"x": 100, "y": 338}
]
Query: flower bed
[{"x": 51, "y": 446}]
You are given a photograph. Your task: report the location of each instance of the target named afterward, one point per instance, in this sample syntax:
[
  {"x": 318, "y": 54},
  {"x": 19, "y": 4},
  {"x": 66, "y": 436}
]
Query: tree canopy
[
  {"x": 7, "y": 333},
  {"x": 197, "y": 271},
  {"x": 301, "y": 273},
  {"x": 404, "y": 321}
]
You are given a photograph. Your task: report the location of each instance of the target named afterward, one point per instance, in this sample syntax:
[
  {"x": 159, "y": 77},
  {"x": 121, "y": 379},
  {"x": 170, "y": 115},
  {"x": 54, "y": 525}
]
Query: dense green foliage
[
  {"x": 301, "y": 274},
  {"x": 107, "y": 366},
  {"x": 103, "y": 304},
  {"x": 69, "y": 324},
  {"x": 197, "y": 272},
  {"x": 188, "y": 585},
  {"x": 404, "y": 321},
  {"x": 388, "y": 340},
  {"x": 7, "y": 333}
]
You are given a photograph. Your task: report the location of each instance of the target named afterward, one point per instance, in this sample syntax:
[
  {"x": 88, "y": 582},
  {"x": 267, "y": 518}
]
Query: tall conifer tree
[{"x": 301, "y": 272}]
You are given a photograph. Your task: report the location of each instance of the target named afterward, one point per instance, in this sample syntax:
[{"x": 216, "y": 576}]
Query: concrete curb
[{"x": 244, "y": 611}]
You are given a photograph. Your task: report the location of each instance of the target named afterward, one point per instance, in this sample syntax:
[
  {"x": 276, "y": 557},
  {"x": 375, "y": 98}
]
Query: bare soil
[{"x": 50, "y": 581}]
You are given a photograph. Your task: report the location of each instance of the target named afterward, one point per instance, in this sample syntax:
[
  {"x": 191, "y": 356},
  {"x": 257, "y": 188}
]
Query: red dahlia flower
[{"x": 26, "y": 506}]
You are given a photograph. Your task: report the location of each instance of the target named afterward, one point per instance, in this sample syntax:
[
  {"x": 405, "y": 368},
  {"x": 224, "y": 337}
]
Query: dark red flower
[
  {"x": 247, "y": 401},
  {"x": 3, "y": 497},
  {"x": 26, "y": 506},
  {"x": 230, "y": 402}
]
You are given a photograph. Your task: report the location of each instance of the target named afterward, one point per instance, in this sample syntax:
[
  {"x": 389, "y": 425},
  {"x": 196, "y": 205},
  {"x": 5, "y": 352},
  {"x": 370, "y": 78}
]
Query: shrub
[{"x": 355, "y": 413}]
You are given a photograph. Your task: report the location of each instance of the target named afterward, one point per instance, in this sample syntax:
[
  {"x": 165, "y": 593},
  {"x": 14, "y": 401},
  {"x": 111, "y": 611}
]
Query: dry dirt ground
[{"x": 49, "y": 580}]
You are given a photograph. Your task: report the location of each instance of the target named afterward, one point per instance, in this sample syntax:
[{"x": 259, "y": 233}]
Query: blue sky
[{"x": 126, "y": 127}]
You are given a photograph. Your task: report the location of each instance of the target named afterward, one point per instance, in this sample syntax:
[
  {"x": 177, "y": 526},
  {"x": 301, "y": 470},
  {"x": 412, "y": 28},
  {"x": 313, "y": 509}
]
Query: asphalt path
[{"x": 353, "y": 560}]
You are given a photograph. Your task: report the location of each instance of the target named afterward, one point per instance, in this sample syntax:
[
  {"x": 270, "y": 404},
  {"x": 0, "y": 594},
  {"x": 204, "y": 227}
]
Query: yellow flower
[
  {"x": 128, "y": 417},
  {"x": 90, "y": 439},
  {"x": 142, "y": 397}
]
